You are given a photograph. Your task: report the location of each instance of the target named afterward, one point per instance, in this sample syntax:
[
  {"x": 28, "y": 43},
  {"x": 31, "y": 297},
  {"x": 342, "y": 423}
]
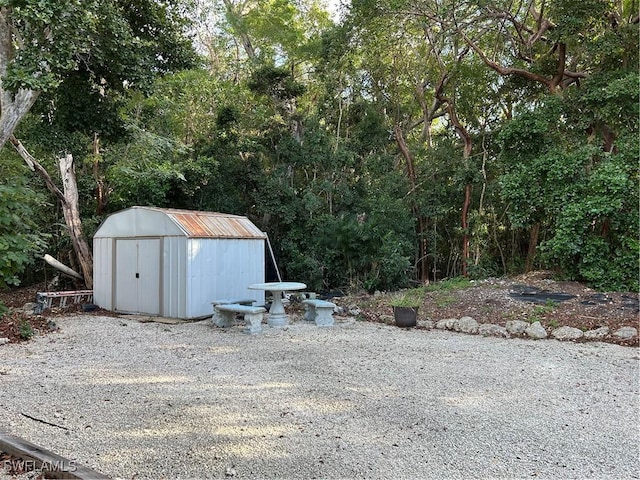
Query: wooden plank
[
  {"x": 61, "y": 266},
  {"x": 149, "y": 319},
  {"x": 54, "y": 465}
]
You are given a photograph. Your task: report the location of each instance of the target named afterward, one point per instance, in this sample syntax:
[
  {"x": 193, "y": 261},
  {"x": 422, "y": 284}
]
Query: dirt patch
[
  {"x": 495, "y": 300},
  {"x": 19, "y": 324},
  {"x": 532, "y": 297}
]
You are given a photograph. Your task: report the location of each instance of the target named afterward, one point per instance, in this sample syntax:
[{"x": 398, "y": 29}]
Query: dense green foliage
[
  {"x": 585, "y": 198},
  {"x": 19, "y": 241},
  {"x": 346, "y": 142},
  {"x": 94, "y": 44}
]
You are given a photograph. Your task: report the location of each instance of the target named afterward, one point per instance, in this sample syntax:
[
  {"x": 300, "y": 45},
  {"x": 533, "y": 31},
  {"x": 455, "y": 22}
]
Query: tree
[
  {"x": 112, "y": 45},
  {"x": 554, "y": 46},
  {"x": 18, "y": 239},
  {"x": 417, "y": 72},
  {"x": 429, "y": 136}
]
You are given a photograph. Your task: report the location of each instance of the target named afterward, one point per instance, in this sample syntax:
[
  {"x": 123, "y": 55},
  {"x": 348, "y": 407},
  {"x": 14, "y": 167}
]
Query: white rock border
[{"x": 520, "y": 328}]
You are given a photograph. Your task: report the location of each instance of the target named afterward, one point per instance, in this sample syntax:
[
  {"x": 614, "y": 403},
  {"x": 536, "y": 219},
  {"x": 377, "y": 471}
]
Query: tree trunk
[
  {"x": 421, "y": 227},
  {"x": 423, "y": 263},
  {"x": 236, "y": 20},
  {"x": 483, "y": 191},
  {"x": 71, "y": 212},
  {"x": 69, "y": 200},
  {"x": 62, "y": 267},
  {"x": 533, "y": 244},
  {"x": 13, "y": 106},
  {"x": 465, "y": 228},
  {"x": 466, "y": 154}
]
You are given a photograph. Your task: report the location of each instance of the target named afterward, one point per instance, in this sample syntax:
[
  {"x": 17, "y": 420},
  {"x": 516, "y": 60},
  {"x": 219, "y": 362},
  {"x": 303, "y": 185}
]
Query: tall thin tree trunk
[
  {"x": 481, "y": 213},
  {"x": 466, "y": 154},
  {"x": 496, "y": 240},
  {"x": 465, "y": 228},
  {"x": 421, "y": 227},
  {"x": 101, "y": 194},
  {"x": 533, "y": 244}
]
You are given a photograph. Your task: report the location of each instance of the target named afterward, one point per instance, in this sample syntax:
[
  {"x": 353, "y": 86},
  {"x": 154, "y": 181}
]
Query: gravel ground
[{"x": 359, "y": 400}]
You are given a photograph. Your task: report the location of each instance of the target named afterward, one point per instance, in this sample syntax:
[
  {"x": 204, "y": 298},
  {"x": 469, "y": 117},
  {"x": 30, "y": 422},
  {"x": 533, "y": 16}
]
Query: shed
[{"x": 174, "y": 263}]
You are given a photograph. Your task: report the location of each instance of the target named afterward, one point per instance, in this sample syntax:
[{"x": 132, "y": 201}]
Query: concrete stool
[{"x": 319, "y": 311}]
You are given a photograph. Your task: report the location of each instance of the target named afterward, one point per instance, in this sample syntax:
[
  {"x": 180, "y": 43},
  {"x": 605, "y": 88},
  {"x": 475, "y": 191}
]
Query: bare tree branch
[
  {"x": 505, "y": 70},
  {"x": 35, "y": 166}
]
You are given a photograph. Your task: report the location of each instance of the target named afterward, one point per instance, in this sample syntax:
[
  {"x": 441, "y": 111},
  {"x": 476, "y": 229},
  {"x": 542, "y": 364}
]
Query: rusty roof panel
[{"x": 214, "y": 225}]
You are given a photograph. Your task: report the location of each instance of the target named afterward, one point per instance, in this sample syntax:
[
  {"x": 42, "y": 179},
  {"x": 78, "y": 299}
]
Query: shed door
[{"x": 137, "y": 278}]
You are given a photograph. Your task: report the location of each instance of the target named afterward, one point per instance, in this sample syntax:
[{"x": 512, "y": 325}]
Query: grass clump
[
  {"x": 539, "y": 311},
  {"x": 26, "y": 330},
  {"x": 456, "y": 283},
  {"x": 411, "y": 298},
  {"x": 443, "y": 299}
]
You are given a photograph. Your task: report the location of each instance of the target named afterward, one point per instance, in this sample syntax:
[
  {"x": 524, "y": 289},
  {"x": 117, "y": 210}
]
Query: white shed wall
[
  {"x": 222, "y": 268},
  {"x": 174, "y": 277},
  {"x": 103, "y": 272}
]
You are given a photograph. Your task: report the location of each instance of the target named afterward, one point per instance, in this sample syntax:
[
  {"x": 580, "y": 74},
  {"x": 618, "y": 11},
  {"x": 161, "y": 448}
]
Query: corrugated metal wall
[
  {"x": 174, "y": 277},
  {"x": 222, "y": 268},
  {"x": 103, "y": 272}
]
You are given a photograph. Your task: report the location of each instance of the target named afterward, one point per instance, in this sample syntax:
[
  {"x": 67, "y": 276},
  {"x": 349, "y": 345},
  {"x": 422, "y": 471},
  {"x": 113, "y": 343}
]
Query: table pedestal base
[{"x": 277, "y": 319}]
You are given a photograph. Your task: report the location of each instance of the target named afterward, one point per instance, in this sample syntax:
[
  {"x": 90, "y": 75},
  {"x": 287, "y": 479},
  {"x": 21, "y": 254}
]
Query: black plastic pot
[{"x": 405, "y": 317}]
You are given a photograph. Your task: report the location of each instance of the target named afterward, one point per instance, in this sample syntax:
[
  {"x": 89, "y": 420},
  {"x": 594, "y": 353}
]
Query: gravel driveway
[{"x": 358, "y": 400}]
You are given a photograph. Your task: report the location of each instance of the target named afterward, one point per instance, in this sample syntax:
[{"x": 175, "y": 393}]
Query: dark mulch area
[{"x": 20, "y": 324}]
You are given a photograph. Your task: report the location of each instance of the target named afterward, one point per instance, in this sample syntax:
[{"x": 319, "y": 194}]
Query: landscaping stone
[
  {"x": 491, "y": 330},
  {"x": 466, "y": 325},
  {"x": 567, "y": 333},
  {"x": 426, "y": 324},
  {"x": 29, "y": 308},
  {"x": 625, "y": 332},
  {"x": 596, "y": 334},
  {"x": 536, "y": 331},
  {"x": 447, "y": 324},
  {"x": 354, "y": 311},
  {"x": 516, "y": 327},
  {"x": 4, "y": 340}
]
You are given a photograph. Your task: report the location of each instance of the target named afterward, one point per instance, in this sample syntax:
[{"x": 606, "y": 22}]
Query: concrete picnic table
[{"x": 277, "y": 316}]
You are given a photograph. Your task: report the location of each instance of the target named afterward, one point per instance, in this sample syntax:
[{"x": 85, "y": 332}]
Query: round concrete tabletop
[{"x": 278, "y": 286}]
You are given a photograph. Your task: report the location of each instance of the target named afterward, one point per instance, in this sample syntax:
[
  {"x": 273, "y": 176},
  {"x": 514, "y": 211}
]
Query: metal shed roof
[
  {"x": 152, "y": 221},
  {"x": 198, "y": 224}
]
